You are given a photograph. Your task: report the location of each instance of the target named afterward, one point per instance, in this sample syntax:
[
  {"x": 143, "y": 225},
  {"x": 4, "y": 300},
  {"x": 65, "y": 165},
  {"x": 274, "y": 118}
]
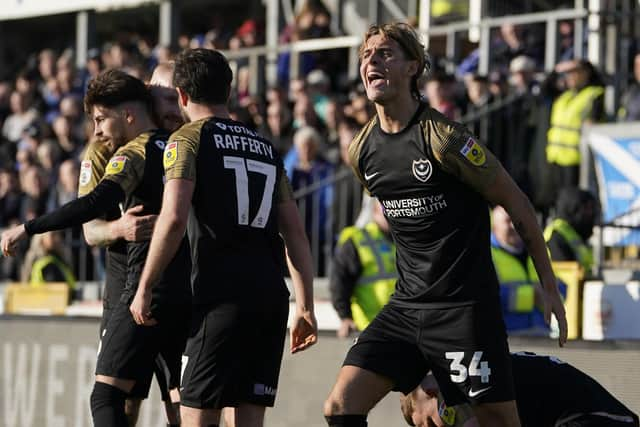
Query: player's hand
[
  {"x": 553, "y": 304},
  {"x": 136, "y": 228},
  {"x": 140, "y": 308},
  {"x": 10, "y": 239},
  {"x": 346, "y": 327},
  {"x": 304, "y": 331}
]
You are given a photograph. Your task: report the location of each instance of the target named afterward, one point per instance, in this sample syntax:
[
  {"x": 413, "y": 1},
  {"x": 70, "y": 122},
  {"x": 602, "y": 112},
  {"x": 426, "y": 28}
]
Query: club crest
[{"x": 422, "y": 169}]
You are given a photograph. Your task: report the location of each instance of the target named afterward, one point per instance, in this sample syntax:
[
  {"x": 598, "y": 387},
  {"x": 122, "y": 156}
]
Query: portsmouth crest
[{"x": 422, "y": 169}]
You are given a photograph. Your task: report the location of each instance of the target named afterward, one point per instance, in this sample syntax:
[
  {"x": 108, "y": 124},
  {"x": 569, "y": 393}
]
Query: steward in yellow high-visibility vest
[
  {"x": 518, "y": 280},
  {"x": 517, "y": 276},
  {"x": 568, "y": 114},
  {"x": 363, "y": 274},
  {"x": 50, "y": 268},
  {"x": 581, "y": 103},
  {"x": 567, "y": 235}
]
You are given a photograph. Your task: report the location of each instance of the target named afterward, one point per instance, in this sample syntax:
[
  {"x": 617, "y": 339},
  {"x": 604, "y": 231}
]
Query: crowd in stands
[{"x": 310, "y": 119}]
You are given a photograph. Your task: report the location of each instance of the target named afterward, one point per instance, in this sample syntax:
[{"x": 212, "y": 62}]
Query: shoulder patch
[
  {"x": 85, "y": 172},
  {"x": 115, "y": 165},
  {"x": 170, "y": 154},
  {"x": 473, "y": 152}
]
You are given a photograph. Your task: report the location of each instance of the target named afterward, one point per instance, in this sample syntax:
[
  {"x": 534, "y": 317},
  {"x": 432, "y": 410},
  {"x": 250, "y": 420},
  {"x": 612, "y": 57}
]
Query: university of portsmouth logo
[{"x": 422, "y": 169}]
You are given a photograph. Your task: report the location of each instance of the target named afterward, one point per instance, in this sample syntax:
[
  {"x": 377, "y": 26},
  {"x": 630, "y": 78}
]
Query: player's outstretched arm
[
  {"x": 304, "y": 329},
  {"x": 104, "y": 197},
  {"x": 505, "y": 192},
  {"x": 168, "y": 233},
  {"x": 131, "y": 226}
]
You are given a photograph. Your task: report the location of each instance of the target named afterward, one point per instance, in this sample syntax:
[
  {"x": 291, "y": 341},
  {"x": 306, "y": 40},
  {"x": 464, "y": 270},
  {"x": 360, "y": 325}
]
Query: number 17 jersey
[{"x": 239, "y": 179}]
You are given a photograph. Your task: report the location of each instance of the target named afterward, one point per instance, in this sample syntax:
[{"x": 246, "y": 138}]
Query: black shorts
[
  {"x": 602, "y": 420},
  {"x": 176, "y": 319},
  {"x": 465, "y": 347},
  {"x": 234, "y": 353},
  {"x": 129, "y": 351}
]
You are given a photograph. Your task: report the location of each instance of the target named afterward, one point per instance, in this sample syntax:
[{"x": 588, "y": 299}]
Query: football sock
[
  {"x": 346, "y": 420},
  {"x": 107, "y": 406}
]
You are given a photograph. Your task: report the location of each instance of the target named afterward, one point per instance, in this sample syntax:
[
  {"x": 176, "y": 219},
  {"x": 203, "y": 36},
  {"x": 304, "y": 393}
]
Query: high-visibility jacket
[
  {"x": 584, "y": 254},
  {"x": 441, "y": 8},
  {"x": 37, "y": 271},
  {"x": 378, "y": 277},
  {"x": 568, "y": 113},
  {"x": 517, "y": 292}
]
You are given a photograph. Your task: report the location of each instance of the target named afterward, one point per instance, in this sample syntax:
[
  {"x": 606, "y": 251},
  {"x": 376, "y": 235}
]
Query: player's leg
[
  {"x": 175, "y": 331},
  {"x": 263, "y": 324},
  {"x": 468, "y": 350},
  {"x": 384, "y": 357},
  {"x": 125, "y": 355},
  {"x": 208, "y": 363}
]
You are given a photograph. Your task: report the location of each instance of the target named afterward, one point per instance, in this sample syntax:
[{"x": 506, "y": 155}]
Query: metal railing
[{"x": 269, "y": 52}]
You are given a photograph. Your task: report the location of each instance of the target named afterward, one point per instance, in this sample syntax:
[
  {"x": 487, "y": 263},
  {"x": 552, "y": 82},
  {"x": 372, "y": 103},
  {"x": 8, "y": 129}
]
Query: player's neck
[
  {"x": 141, "y": 125},
  {"x": 395, "y": 115},
  {"x": 203, "y": 111}
]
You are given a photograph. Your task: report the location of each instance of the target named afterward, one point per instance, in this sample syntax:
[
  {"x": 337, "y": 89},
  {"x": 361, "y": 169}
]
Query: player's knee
[
  {"x": 334, "y": 405},
  {"x": 107, "y": 406}
]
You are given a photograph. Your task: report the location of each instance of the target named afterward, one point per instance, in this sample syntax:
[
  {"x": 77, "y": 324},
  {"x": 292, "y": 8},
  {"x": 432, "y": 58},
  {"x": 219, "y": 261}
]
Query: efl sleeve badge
[
  {"x": 473, "y": 152},
  {"x": 115, "y": 165},
  {"x": 85, "y": 172},
  {"x": 170, "y": 154}
]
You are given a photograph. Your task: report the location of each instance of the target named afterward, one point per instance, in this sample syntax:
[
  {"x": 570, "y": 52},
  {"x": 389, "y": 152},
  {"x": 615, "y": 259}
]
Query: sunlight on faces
[
  {"x": 110, "y": 126},
  {"x": 167, "y": 113},
  {"x": 384, "y": 69}
]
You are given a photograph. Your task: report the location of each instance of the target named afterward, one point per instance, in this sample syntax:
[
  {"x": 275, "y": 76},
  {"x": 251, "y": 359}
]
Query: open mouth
[{"x": 374, "y": 77}]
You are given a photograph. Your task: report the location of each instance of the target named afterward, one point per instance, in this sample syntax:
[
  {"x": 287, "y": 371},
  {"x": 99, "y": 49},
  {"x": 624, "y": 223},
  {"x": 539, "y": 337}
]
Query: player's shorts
[
  {"x": 234, "y": 353},
  {"x": 129, "y": 351},
  {"x": 600, "y": 420},
  {"x": 465, "y": 347},
  {"x": 176, "y": 319}
]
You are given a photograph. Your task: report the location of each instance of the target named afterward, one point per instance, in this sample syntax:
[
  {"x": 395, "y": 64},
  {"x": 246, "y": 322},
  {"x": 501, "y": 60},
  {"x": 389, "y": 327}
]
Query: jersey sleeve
[
  {"x": 180, "y": 153},
  {"x": 463, "y": 156},
  {"x": 355, "y": 148},
  {"x": 92, "y": 167},
  {"x": 126, "y": 167}
]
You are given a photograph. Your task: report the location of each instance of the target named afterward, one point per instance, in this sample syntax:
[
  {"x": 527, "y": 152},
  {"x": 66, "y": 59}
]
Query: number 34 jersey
[{"x": 239, "y": 180}]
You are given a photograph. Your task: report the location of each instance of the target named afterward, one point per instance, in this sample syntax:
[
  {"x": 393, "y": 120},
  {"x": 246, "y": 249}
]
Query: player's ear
[
  {"x": 412, "y": 69},
  {"x": 183, "y": 98}
]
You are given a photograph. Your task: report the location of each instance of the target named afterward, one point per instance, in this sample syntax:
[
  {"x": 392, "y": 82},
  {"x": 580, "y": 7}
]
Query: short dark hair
[
  {"x": 204, "y": 75},
  {"x": 114, "y": 87}
]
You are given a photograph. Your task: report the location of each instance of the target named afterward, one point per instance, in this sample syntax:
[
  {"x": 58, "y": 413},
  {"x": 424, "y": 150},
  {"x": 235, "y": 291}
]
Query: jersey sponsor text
[{"x": 413, "y": 207}]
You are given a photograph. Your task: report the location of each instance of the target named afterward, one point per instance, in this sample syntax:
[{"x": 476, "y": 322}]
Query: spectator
[
  {"x": 568, "y": 234},
  {"x": 35, "y": 191},
  {"x": 48, "y": 154},
  {"x": 318, "y": 85},
  {"x": 581, "y": 103},
  {"x": 278, "y": 127},
  {"x": 520, "y": 291},
  {"x": 311, "y": 168},
  {"x": 630, "y": 104},
  {"x": 10, "y": 198},
  {"x": 438, "y": 95},
  {"x": 488, "y": 126},
  {"x": 22, "y": 114},
  {"x": 347, "y": 189},
  {"x": 44, "y": 262},
  {"x": 363, "y": 274}
]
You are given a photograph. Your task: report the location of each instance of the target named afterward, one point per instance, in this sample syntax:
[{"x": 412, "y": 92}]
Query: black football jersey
[
  {"x": 233, "y": 229},
  {"x": 137, "y": 168},
  {"x": 428, "y": 178}
]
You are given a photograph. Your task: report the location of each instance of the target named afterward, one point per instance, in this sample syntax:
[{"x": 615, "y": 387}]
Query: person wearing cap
[{"x": 581, "y": 103}]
